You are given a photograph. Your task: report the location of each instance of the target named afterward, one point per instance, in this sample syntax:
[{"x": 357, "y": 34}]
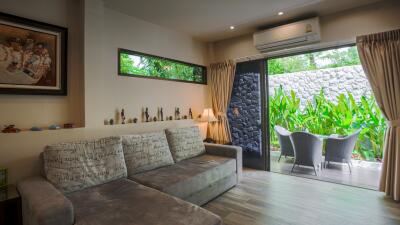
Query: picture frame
[{"x": 33, "y": 57}]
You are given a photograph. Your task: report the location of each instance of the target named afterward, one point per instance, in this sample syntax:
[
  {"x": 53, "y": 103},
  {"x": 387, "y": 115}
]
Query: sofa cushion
[
  {"x": 185, "y": 142},
  {"x": 77, "y": 165},
  {"x": 188, "y": 176},
  {"x": 123, "y": 202},
  {"x": 145, "y": 152}
]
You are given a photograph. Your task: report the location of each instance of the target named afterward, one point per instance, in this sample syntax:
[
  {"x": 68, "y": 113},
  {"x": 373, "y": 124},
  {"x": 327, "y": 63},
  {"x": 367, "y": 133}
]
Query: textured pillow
[
  {"x": 185, "y": 143},
  {"x": 77, "y": 165},
  {"x": 145, "y": 152}
]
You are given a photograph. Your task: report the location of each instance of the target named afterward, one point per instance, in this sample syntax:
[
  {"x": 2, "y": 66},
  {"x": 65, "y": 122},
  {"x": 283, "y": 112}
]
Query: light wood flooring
[{"x": 265, "y": 198}]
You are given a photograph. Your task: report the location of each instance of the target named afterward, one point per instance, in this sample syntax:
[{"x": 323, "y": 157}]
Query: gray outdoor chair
[
  {"x": 307, "y": 150},
  {"x": 339, "y": 149},
  {"x": 284, "y": 142}
]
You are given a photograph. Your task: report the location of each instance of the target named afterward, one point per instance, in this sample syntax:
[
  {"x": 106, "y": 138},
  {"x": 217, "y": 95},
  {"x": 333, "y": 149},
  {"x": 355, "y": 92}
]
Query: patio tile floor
[{"x": 364, "y": 174}]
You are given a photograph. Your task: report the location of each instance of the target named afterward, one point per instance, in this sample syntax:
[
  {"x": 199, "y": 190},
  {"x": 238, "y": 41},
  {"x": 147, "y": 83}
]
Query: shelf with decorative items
[
  {"x": 146, "y": 117},
  {"x": 13, "y": 129}
]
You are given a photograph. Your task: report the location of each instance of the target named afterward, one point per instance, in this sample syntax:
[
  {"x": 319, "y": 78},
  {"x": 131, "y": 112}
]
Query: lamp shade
[{"x": 208, "y": 116}]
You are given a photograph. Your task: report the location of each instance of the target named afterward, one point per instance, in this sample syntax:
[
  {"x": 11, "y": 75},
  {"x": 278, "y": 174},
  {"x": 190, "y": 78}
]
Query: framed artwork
[{"x": 33, "y": 57}]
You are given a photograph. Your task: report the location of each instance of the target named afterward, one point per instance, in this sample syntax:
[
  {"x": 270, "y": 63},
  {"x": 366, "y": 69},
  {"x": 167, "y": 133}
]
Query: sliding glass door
[{"x": 327, "y": 94}]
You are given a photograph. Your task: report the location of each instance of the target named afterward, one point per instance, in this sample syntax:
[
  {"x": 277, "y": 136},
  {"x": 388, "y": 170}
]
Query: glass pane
[
  {"x": 327, "y": 94},
  {"x": 334, "y": 58},
  {"x": 136, "y": 64}
]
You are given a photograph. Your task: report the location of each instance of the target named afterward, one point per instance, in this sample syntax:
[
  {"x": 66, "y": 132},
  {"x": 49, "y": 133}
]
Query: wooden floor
[
  {"x": 335, "y": 172},
  {"x": 265, "y": 198}
]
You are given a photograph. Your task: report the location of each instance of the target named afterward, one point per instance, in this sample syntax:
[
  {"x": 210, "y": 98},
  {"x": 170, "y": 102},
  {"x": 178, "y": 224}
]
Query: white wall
[
  {"x": 93, "y": 42},
  {"x": 20, "y": 152},
  {"x": 26, "y": 111},
  {"x": 105, "y": 92},
  {"x": 346, "y": 25}
]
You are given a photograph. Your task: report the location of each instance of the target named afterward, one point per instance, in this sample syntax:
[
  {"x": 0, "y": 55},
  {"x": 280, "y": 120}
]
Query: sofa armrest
[
  {"x": 43, "y": 204},
  {"x": 230, "y": 151}
]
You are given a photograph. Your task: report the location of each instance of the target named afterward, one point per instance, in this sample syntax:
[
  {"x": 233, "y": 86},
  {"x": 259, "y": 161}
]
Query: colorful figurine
[
  {"x": 36, "y": 129},
  {"x": 54, "y": 127},
  {"x": 10, "y": 129}
]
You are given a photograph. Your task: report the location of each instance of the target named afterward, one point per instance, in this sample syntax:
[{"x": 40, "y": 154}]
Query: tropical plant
[
  {"x": 144, "y": 65},
  {"x": 324, "y": 117}
]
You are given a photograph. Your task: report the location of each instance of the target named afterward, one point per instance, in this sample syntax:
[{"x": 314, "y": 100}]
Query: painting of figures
[{"x": 32, "y": 57}]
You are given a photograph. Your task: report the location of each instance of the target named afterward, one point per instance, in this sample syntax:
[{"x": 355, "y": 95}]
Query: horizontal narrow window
[{"x": 135, "y": 64}]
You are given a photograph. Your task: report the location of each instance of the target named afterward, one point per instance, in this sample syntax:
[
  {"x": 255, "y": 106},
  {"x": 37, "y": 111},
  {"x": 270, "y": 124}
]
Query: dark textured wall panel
[{"x": 244, "y": 113}]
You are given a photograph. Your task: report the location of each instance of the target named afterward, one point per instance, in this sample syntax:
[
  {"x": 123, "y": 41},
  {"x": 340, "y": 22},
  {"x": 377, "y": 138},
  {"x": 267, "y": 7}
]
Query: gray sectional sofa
[{"x": 141, "y": 179}]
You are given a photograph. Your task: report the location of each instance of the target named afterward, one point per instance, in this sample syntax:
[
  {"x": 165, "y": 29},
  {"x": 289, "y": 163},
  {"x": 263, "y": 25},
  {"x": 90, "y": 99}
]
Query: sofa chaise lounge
[{"x": 141, "y": 179}]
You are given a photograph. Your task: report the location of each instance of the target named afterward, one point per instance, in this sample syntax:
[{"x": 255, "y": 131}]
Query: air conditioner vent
[{"x": 288, "y": 36}]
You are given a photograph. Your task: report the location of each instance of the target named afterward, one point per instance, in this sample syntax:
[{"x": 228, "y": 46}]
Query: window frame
[{"x": 131, "y": 52}]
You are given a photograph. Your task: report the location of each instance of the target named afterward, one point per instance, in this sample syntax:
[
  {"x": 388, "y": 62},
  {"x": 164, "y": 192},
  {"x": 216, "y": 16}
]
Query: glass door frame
[
  {"x": 264, "y": 88},
  {"x": 265, "y": 140}
]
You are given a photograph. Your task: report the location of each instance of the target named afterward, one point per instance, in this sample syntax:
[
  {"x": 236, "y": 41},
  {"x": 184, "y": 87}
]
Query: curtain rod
[{"x": 319, "y": 46}]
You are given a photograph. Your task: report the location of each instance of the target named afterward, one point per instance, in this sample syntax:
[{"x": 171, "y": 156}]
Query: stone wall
[
  {"x": 334, "y": 82},
  {"x": 244, "y": 112}
]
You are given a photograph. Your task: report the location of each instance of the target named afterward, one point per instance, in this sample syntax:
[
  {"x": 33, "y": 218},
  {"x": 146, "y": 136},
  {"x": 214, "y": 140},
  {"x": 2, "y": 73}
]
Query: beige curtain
[
  {"x": 221, "y": 78},
  {"x": 380, "y": 57}
]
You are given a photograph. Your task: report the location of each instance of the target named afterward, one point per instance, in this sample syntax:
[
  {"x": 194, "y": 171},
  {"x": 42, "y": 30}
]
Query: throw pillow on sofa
[
  {"x": 185, "y": 142},
  {"x": 144, "y": 152},
  {"x": 77, "y": 165}
]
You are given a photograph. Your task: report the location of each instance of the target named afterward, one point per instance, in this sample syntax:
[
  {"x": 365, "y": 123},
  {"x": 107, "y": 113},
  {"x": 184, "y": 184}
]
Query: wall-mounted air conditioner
[{"x": 290, "y": 35}]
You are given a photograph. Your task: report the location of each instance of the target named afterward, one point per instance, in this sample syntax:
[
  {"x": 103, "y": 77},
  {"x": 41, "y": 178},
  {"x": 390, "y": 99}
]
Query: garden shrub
[{"x": 324, "y": 117}]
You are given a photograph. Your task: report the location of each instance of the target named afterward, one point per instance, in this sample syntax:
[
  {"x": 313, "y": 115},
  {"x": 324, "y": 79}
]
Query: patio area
[
  {"x": 321, "y": 104},
  {"x": 364, "y": 174}
]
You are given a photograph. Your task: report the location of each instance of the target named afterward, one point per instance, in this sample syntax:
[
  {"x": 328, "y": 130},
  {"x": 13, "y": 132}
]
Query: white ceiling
[{"x": 209, "y": 20}]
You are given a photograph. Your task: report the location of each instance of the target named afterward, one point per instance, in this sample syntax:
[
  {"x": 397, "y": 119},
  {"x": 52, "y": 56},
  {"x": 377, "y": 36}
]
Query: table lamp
[{"x": 208, "y": 116}]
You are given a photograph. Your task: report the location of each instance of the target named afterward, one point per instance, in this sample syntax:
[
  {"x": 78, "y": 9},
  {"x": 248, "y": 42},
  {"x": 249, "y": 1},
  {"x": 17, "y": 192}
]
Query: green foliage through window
[
  {"x": 324, "y": 117},
  {"x": 346, "y": 56},
  {"x": 143, "y": 65}
]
